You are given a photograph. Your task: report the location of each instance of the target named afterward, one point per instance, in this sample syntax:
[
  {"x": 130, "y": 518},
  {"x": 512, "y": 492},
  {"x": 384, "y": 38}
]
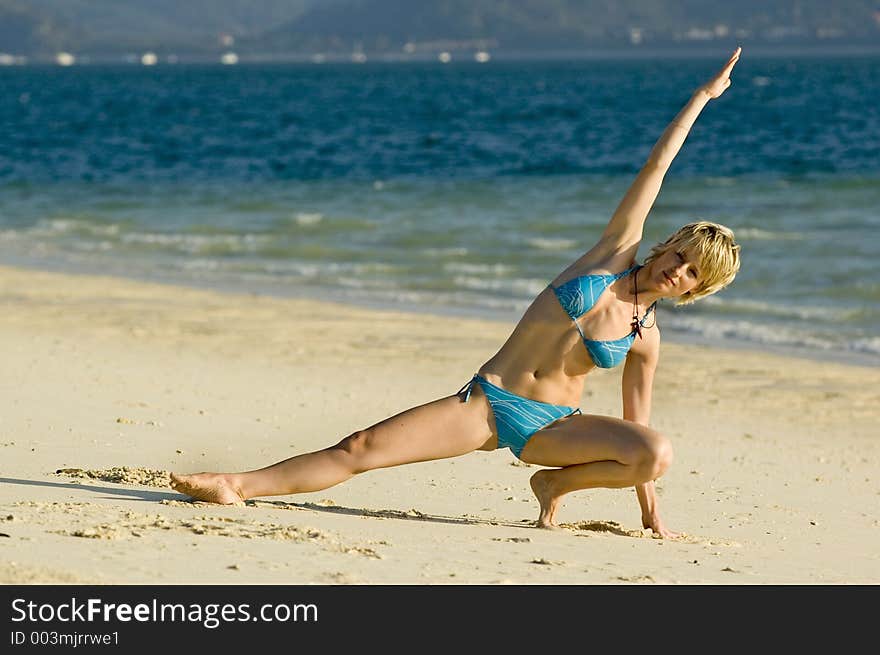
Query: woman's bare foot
[
  {"x": 540, "y": 483},
  {"x": 207, "y": 487}
]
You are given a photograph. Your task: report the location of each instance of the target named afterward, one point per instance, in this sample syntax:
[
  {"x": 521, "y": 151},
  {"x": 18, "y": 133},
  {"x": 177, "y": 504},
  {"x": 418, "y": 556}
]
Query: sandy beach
[{"x": 109, "y": 384}]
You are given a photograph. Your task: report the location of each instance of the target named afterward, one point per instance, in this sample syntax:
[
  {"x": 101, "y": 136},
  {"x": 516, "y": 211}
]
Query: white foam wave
[
  {"x": 445, "y": 252},
  {"x": 60, "y": 226},
  {"x": 364, "y": 283},
  {"x": 199, "y": 243},
  {"x": 803, "y": 312},
  {"x": 348, "y": 270},
  {"x": 307, "y": 218},
  {"x": 395, "y": 296},
  {"x": 868, "y": 345},
  {"x": 197, "y": 265},
  {"x": 758, "y": 234},
  {"x": 718, "y": 330},
  {"x": 54, "y": 226},
  {"x": 94, "y": 246},
  {"x": 514, "y": 286},
  {"x": 546, "y": 243},
  {"x": 490, "y": 269}
]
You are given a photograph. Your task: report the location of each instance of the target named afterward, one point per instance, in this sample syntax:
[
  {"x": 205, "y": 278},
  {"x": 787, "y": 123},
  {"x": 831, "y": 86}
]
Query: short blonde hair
[{"x": 716, "y": 249}]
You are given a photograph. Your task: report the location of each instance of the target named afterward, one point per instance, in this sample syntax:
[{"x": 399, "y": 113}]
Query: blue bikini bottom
[{"x": 516, "y": 418}]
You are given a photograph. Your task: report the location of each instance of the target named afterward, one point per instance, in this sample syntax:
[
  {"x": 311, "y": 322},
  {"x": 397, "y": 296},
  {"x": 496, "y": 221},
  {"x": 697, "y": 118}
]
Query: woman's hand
[
  {"x": 659, "y": 529},
  {"x": 718, "y": 84}
]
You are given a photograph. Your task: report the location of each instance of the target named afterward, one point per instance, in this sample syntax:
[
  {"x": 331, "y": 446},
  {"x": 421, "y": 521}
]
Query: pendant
[{"x": 637, "y": 326}]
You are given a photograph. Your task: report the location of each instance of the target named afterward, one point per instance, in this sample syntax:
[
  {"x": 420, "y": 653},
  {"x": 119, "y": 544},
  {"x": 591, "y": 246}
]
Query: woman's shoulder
[
  {"x": 607, "y": 257},
  {"x": 647, "y": 346},
  {"x": 600, "y": 267}
]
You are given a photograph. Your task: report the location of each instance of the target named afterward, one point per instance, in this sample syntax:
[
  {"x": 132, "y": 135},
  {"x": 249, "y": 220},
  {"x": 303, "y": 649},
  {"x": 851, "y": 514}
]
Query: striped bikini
[
  {"x": 578, "y": 296},
  {"x": 517, "y": 418}
]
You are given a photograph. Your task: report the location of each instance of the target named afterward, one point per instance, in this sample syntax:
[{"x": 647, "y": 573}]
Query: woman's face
[{"x": 675, "y": 272}]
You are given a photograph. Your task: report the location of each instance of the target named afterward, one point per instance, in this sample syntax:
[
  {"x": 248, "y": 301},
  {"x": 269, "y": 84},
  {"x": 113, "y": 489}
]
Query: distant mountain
[
  {"x": 413, "y": 27},
  {"x": 34, "y": 27},
  {"x": 25, "y": 30},
  {"x": 534, "y": 25}
]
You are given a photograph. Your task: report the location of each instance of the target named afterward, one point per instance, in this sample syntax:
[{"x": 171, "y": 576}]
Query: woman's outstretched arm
[{"x": 625, "y": 227}]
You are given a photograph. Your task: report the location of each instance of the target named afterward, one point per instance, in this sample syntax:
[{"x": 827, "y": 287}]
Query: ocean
[{"x": 458, "y": 188}]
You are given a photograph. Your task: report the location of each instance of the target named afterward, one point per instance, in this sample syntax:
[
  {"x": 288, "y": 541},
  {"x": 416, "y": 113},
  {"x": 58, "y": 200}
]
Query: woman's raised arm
[{"x": 625, "y": 227}]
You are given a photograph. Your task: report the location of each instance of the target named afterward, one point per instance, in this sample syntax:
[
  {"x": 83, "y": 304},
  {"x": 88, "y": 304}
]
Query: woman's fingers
[
  {"x": 732, "y": 61},
  {"x": 724, "y": 75},
  {"x": 718, "y": 84}
]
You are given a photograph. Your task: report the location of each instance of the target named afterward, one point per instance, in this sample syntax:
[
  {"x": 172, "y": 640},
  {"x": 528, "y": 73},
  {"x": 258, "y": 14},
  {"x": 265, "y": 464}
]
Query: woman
[{"x": 524, "y": 398}]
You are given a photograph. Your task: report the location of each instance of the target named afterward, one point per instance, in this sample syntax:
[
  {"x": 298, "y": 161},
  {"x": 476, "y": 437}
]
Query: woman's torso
[{"x": 544, "y": 358}]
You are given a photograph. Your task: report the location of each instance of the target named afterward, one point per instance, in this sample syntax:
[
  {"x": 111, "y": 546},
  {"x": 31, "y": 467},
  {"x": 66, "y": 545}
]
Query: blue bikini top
[{"x": 578, "y": 296}]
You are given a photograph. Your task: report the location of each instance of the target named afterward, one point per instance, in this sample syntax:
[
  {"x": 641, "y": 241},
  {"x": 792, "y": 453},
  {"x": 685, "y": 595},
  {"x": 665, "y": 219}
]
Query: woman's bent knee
[
  {"x": 663, "y": 457},
  {"x": 655, "y": 457},
  {"x": 356, "y": 448}
]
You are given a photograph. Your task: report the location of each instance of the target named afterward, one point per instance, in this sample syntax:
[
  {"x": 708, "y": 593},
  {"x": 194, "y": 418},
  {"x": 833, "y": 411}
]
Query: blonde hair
[{"x": 716, "y": 249}]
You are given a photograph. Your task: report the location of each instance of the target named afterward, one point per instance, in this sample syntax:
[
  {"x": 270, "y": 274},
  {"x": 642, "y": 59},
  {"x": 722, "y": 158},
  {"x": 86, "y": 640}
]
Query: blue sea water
[{"x": 456, "y": 188}]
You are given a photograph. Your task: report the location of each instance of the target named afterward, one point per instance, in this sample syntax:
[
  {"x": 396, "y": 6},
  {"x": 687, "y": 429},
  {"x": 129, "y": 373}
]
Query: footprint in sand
[{"x": 121, "y": 475}]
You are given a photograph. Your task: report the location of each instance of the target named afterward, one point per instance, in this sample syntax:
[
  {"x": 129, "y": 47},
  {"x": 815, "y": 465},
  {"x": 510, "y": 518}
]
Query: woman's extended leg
[
  {"x": 443, "y": 428},
  {"x": 592, "y": 451}
]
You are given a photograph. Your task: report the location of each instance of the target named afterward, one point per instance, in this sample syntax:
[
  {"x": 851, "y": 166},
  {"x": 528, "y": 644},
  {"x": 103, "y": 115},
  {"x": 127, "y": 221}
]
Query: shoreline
[
  {"x": 285, "y": 292},
  {"x": 111, "y": 383}
]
